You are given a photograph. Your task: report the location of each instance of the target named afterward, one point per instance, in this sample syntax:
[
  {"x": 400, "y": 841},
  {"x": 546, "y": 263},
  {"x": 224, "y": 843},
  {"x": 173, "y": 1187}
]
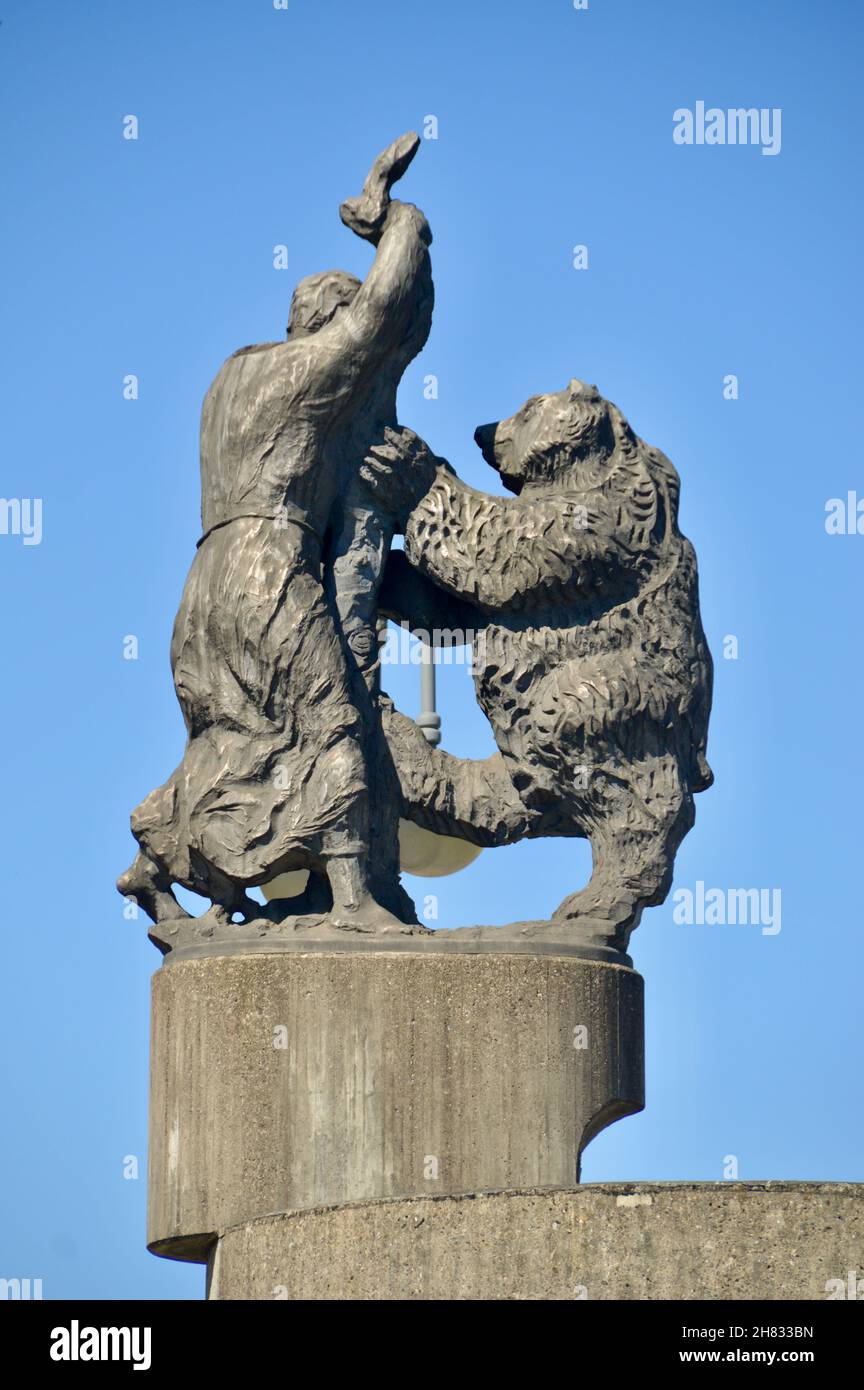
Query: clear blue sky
[{"x": 154, "y": 257}]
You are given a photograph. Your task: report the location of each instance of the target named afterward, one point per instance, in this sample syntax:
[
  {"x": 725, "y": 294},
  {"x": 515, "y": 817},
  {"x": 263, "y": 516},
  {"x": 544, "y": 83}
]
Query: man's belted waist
[{"x": 286, "y": 514}]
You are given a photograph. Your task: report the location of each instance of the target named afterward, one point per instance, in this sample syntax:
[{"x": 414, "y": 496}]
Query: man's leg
[{"x": 345, "y": 852}]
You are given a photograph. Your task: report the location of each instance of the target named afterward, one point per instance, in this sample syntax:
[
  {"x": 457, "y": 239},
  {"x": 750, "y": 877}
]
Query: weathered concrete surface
[
  {"x": 295, "y": 1081},
  {"x": 641, "y": 1241}
]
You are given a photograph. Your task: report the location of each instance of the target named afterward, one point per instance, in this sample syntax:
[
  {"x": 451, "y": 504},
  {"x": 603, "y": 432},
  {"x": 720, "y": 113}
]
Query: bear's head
[{"x": 566, "y": 439}]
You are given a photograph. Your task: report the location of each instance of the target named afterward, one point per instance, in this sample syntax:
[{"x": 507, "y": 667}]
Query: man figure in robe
[{"x": 267, "y": 657}]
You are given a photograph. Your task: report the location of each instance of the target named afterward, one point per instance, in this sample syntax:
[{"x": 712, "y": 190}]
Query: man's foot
[
  {"x": 354, "y": 908},
  {"x": 370, "y": 920}
]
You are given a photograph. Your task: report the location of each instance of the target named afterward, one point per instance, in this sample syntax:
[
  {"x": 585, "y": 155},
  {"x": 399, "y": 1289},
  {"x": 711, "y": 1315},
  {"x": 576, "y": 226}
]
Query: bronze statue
[{"x": 591, "y": 664}]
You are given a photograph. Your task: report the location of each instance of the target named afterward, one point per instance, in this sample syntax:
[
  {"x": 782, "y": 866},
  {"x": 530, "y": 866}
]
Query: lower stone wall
[{"x": 604, "y": 1241}]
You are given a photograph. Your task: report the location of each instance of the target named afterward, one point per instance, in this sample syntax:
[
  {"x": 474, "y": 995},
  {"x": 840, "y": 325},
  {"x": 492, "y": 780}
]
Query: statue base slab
[{"x": 190, "y": 938}]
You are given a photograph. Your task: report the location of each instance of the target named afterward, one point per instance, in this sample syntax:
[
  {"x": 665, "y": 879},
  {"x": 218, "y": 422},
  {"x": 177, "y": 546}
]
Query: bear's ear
[{"x": 582, "y": 390}]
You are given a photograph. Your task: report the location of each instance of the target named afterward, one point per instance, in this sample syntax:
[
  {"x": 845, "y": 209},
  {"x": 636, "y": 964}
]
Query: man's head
[
  {"x": 550, "y": 434},
  {"x": 318, "y": 298}
]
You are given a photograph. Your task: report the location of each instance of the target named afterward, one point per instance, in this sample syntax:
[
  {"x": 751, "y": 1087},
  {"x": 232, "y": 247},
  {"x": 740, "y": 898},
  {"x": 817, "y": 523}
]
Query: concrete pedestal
[
  {"x": 401, "y": 1124},
  {"x": 295, "y": 1081},
  {"x": 646, "y": 1241}
]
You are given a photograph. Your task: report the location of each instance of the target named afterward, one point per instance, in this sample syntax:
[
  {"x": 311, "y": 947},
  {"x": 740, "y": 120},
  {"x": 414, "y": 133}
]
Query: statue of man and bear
[{"x": 590, "y": 662}]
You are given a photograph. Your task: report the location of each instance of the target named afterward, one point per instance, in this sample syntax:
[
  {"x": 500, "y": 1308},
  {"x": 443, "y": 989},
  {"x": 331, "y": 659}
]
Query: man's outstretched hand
[{"x": 367, "y": 214}]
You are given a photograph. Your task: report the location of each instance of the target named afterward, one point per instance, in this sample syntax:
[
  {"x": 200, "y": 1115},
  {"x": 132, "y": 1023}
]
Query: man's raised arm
[
  {"x": 394, "y": 303},
  {"x": 396, "y": 296}
]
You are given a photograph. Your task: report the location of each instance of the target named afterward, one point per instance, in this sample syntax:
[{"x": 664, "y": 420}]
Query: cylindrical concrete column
[{"x": 293, "y": 1081}]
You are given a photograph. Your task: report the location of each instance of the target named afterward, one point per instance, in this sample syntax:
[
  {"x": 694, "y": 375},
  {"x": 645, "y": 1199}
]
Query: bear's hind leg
[{"x": 637, "y": 821}]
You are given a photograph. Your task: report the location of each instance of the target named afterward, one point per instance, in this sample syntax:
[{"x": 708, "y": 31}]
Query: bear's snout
[{"x": 484, "y": 438}]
